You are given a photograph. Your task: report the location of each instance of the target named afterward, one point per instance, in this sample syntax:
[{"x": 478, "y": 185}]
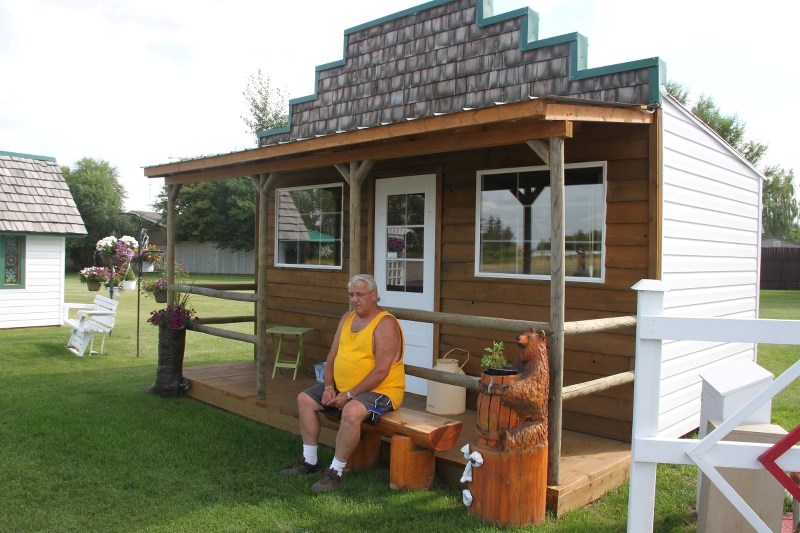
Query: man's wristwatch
[{"x": 349, "y": 396}]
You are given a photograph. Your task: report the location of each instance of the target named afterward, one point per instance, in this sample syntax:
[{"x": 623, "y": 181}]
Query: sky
[{"x": 145, "y": 82}]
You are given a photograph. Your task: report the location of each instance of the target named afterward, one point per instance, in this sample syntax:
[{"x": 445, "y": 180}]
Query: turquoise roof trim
[
  {"x": 28, "y": 156},
  {"x": 529, "y": 26}
]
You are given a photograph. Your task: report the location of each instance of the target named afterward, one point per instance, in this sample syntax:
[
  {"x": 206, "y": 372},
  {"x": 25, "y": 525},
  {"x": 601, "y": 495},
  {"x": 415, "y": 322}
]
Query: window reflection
[
  {"x": 309, "y": 226},
  {"x": 515, "y": 221},
  {"x": 405, "y": 242}
]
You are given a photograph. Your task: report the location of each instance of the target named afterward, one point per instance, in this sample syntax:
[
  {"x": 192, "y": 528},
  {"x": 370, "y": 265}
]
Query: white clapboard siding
[
  {"x": 39, "y": 303},
  {"x": 710, "y": 255}
]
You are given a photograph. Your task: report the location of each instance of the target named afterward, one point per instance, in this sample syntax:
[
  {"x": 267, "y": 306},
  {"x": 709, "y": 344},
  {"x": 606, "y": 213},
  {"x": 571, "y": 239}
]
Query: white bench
[{"x": 92, "y": 319}]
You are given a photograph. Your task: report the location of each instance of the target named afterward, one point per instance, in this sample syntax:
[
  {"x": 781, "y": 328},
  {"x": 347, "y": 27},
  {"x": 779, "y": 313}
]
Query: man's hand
[{"x": 329, "y": 396}]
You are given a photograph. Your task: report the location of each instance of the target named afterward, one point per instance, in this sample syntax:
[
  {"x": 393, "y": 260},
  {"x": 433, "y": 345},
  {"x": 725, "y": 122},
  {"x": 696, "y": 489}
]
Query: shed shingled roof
[
  {"x": 446, "y": 56},
  {"x": 35, "y": 198}
]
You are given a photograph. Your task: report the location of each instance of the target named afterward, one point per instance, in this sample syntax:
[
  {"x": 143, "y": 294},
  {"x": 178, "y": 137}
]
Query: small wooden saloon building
[{"x": 479, "y": 171}]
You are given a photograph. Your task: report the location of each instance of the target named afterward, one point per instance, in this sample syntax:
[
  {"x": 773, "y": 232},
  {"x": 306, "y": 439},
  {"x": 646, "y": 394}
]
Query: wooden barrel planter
[{"x": 493, "y": 417}]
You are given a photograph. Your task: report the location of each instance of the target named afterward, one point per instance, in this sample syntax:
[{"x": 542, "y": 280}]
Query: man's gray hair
[{"x": 366, "y": 279}]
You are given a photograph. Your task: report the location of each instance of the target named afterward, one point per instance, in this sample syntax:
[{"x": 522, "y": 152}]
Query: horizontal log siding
[
  {"x": 627, "y": 245},
  {"x": 313, "y": 298}
]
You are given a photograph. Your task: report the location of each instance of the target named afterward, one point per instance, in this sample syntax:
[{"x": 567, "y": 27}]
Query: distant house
[
  {"x": 777, "y": 242},
  {"x": 37, "y": 214},
  {"x": 154, "y": 223}
]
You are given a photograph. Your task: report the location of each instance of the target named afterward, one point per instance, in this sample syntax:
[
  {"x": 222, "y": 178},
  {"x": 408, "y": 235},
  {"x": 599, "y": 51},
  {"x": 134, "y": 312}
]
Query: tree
[
  {"x": 223, "y": 212},
  {"x": 100, "y": 197},
  {"x": 219, "y": 211},
  {"x": 779, "y": 211},
  {"x": 779, "y": 206},
  {"x": 729, "y": 127},
  {"x": 268, "y": 107}
]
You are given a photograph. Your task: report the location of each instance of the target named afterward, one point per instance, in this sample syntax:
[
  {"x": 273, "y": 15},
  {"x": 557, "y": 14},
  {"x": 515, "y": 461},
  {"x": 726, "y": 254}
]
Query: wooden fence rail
[{"x": 470, "y": 383}]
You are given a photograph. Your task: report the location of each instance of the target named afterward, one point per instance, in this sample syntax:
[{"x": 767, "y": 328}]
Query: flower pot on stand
[
  {"x": 169, "y": 373},
  {"x": 160, "y": 296},
  {"x": 118, "y": 261},
  {"x": 93, "y": 285}
]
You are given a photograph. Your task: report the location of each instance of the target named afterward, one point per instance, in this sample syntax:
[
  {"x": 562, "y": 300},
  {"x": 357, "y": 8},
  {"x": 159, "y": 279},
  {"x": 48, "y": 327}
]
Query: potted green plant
[
  {"x": 494, "y": 361},
  {"x": 129, "y": 280},
  {"x": 494, "y": 418}
]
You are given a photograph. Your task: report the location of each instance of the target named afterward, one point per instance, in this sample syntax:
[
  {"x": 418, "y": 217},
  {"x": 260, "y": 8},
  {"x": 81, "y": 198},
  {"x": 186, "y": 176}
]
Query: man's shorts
[{"x": 376, "y": 404}]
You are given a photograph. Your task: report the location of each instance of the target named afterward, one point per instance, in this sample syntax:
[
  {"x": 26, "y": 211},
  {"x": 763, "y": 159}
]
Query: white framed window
[
  {"x": 308, "y": 227},
  {"x": 513, "y": 227}
]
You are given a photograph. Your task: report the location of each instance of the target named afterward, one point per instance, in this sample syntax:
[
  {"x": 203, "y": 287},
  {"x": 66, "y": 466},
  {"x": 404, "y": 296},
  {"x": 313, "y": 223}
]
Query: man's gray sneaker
[
  {"x": 301, "y": 467},
  {"x": 330, "y": 480}
]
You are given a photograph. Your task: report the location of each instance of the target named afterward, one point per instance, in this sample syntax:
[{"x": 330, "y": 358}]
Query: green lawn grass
[{"x": 82, "y": 449}]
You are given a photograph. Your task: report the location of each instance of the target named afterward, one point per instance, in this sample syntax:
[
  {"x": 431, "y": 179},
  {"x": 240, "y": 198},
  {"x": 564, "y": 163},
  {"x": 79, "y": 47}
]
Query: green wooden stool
[{"x": 280, "y": 331}]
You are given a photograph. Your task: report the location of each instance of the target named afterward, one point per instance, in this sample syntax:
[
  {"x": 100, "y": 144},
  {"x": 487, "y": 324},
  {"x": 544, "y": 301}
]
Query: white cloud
[{"x": 136, "y": 83}]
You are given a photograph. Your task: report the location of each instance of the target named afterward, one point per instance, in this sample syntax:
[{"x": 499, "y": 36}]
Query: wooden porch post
[
  {"x": 169, "y": 260},
  {"x": 355, "y": 176},
  {"x": 263, "y": 184},
  {"x": 557, "y": 287},
  {"x": 553, "y": 157}
]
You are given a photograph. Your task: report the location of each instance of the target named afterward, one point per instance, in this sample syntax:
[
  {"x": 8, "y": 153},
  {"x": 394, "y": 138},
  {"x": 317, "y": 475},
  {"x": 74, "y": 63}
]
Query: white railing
[{"x": 708, "y": 453}]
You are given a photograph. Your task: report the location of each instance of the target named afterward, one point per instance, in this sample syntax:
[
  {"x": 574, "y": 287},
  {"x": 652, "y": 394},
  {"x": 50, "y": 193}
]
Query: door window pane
[{"x": 404, "y": 242}]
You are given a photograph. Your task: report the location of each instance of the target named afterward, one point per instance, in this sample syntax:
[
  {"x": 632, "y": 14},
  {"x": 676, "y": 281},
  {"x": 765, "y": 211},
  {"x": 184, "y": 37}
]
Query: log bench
[{"x": 415, "y": 437}]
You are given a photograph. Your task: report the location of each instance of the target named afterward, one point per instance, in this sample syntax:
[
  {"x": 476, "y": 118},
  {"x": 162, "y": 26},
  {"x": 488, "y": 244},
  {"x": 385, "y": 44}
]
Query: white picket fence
[{"x": 708, "y": 453}]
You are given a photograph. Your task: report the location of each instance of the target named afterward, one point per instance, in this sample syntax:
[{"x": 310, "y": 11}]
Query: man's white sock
[
  {"x": 310, "y": 453},
  {"x": 338, "y": 465}
]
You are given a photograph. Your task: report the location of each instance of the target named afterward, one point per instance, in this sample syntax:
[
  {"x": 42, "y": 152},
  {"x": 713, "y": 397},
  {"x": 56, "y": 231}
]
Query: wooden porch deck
[{"x": 590, "y": 466}]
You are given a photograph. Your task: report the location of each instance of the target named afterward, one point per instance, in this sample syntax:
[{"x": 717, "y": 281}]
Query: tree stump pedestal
[{"x": 169, "y": 373}]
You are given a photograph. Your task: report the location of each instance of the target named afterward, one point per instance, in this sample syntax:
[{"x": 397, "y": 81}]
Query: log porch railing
[{"x": 468, "y": 382}]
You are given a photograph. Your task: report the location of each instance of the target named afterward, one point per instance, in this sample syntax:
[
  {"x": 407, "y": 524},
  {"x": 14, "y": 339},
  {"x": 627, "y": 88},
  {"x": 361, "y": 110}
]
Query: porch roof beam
[
  {"x": 468, "y": 139},
  {"x": 538, "y": 109}
]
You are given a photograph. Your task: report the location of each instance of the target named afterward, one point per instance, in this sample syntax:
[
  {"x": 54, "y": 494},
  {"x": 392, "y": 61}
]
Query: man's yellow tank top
[{"x": 355, "y": 359}]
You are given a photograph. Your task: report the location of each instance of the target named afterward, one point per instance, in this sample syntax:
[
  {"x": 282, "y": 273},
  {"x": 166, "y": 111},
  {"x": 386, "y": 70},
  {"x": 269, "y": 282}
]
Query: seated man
[{"x": 365, "y": 364}]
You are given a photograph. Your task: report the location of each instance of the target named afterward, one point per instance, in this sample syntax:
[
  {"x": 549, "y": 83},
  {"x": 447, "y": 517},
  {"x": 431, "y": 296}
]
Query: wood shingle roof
[
  {"x": 35, "y": 198},
  {"x": 446, "y": 56}
]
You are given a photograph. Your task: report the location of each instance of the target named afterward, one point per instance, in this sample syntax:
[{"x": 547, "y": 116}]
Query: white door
[{"x": 405, "y": 234}]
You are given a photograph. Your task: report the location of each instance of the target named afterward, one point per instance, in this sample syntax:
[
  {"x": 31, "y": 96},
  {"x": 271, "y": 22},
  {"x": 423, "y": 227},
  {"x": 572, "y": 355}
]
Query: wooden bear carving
[{"x": 528, "y": 395}]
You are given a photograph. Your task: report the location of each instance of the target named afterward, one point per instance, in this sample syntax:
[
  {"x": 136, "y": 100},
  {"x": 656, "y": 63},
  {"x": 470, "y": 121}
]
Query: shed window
[
  {"x": 12, "y": 253},
  {"x": 513, "y": 233},
  {"x": 309, "y": 227}
]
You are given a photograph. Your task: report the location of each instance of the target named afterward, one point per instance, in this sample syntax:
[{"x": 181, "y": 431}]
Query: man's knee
[
  {"x": 354, "y": 413},
  {"x": 306, "y": 401}
]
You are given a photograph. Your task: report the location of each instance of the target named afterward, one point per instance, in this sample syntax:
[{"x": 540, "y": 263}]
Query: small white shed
[{"x": 37, "y": 213}]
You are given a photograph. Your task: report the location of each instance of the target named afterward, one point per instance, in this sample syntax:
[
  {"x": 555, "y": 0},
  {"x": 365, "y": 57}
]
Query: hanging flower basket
[
  {"x": 94, "y": 286},
  {"x": 148, "y": 266},
  {"x": 160, "y": 296}
]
